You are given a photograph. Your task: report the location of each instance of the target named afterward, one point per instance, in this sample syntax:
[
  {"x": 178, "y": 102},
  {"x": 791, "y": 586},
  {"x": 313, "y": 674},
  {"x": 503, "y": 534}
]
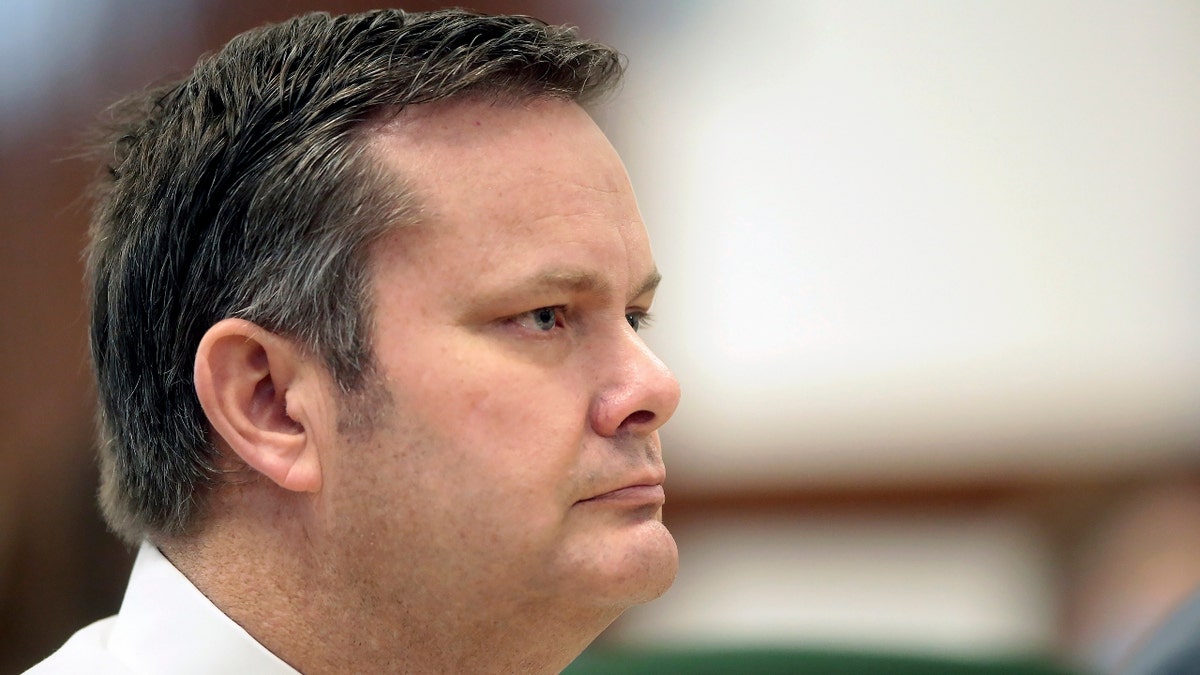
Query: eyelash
[
  {"x": 637, "y": 319},
  {"x": 644, "y": 319}
]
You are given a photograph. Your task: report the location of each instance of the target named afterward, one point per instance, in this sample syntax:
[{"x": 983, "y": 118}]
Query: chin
[
  {"x": 640, "y": 569},
  {"x": 662, "y": 576}
]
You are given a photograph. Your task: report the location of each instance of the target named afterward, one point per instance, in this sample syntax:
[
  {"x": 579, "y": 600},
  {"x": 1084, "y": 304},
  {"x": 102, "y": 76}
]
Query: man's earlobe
[{"x": 260, "y": 395}]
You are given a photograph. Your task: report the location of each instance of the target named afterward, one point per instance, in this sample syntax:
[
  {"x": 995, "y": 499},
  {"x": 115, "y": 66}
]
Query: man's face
[{"x": 518, "y": 459}]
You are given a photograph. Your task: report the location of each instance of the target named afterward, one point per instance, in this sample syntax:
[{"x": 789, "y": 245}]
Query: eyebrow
[
  {"x": 648, "y": 284},
  {"x": 586, "y": 281}
]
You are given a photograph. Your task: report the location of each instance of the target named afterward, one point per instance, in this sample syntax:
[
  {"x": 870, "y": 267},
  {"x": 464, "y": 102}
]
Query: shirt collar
[{"x": 166, "y": 625}]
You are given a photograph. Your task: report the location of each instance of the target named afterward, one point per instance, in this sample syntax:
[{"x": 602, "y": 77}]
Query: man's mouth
[{"x": 631, "y": 495}]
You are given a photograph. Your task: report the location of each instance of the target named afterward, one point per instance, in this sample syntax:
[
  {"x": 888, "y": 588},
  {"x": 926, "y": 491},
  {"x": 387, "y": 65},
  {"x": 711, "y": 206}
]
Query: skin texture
[{"x": 503, "y": 505}]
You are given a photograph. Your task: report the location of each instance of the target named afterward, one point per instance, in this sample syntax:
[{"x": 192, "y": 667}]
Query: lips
[{"x": 637, "y": 494}]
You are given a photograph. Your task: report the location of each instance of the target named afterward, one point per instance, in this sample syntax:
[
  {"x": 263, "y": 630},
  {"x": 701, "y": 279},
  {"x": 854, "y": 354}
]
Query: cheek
[
  {"x": 522, "y": 425},
  {"x": 526, "y": 436},
  {"x": 504, "y": 426}
]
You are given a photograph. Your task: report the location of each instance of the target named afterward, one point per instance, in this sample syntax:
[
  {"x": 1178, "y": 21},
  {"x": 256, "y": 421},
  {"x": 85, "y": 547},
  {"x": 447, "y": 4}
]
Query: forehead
[
  {"x": 477, "y": 146},
  {"x": 516, "y": 181}
]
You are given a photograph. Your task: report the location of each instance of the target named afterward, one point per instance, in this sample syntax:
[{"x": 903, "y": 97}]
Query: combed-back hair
[{"x": 245, "y": 190}]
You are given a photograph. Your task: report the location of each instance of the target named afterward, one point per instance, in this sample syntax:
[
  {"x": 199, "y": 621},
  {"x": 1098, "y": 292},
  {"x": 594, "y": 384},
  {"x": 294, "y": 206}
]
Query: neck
[{"x": 300, "y": 604}]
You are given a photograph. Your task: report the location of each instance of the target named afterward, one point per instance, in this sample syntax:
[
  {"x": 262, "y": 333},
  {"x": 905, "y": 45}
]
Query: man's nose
[{"x": 638, "y": 393}]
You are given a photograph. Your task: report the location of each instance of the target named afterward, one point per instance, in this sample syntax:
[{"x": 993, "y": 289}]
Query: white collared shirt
[{"x": 165, "y": 625}]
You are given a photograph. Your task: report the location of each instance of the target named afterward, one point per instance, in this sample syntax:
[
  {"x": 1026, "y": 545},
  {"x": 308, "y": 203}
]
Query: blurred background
[{"x": 932, "y": 291}]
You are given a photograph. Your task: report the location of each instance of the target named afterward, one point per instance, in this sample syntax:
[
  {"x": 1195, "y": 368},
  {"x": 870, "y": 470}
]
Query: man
[{"x": 366, "y": 292}]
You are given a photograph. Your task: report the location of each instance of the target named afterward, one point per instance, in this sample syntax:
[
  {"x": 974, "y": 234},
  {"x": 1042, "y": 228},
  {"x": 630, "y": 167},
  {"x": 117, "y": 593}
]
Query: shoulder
[{"x": 85, "y": 652}]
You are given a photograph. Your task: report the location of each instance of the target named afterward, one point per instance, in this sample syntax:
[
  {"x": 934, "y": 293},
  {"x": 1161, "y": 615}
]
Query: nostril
[{"x": 640, "y": 417}]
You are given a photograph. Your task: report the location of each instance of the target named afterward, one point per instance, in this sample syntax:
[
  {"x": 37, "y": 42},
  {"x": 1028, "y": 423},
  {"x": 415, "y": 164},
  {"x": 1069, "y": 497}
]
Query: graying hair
[{"x": 246, "y": 190}]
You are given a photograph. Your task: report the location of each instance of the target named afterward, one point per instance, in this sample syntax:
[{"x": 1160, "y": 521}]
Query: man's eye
[
  {"x": 543, "y": 319},
  {"x": 638, "y": 320}
]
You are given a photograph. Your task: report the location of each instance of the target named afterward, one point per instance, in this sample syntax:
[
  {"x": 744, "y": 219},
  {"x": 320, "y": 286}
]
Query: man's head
[
  {"x": 245, "y": 191},
  {"x": 366, "y": 300}
]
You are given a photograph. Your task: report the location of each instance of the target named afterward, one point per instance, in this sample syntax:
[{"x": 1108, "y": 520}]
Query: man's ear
[{"x": 262, "y": 397}]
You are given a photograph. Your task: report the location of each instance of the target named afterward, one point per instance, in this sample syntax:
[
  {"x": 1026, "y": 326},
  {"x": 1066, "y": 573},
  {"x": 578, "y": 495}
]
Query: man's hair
[{"x": 246, "y": 190}]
